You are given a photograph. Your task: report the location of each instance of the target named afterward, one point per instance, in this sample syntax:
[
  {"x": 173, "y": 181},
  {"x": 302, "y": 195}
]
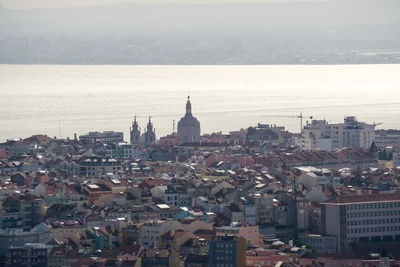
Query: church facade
[
  {"x": 147, "y": 138},
  {"x": 188, "y": 126}
]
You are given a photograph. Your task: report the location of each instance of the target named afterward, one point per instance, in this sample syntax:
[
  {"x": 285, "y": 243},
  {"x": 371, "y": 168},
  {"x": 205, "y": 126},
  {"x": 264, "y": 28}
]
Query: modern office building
[{"x": 362, "y": 218}]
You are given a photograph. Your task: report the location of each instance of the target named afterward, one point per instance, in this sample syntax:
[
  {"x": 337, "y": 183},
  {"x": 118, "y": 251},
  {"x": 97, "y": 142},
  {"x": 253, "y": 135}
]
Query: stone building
[
  {"x": 147, "y": 138},
  {"x": 135, "y": 132},
  {"x": 188, "y": 126}
]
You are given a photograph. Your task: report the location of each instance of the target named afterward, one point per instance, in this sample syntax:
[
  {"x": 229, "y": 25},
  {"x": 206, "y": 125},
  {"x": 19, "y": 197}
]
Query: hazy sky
[{"x": 31, "y": 4}]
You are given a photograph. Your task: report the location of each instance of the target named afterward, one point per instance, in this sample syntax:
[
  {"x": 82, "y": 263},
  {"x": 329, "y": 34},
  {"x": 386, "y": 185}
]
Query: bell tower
[
  {"x": 150, "y": 134},
  {"x": 135, "y": 132}
]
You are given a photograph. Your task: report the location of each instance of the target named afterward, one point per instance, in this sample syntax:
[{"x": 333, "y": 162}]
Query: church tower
[
  {"x": 135, "y": 133},
  {"x": 188, "y": 126},
  {"x": 150, "y": 134}
]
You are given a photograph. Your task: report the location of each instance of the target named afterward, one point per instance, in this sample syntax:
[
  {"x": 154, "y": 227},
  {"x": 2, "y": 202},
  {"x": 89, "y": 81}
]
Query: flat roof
[{"x": 343, "y": 200}]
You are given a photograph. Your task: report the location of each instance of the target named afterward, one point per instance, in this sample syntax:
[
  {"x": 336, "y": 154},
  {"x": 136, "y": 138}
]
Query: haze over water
[{"x": 60, "y": 100}]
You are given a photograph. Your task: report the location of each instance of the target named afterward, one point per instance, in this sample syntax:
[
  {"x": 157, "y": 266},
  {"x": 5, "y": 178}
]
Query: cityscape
[
  {"x": 196, "y": 133},
  {"x": 261, "y": 196}
]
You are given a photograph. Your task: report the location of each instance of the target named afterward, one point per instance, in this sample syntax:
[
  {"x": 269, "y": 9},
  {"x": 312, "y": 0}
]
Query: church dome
[{"x": 188, "y": 126}]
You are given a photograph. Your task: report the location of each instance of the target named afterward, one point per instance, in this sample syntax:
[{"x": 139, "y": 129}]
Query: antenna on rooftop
[
  {"x": 173, "y": 126},
  {"x": 59, "y": 129}
]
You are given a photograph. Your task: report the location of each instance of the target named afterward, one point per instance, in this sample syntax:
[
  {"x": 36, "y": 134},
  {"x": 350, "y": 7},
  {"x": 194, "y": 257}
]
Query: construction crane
[{"x": 301, "y": 117}]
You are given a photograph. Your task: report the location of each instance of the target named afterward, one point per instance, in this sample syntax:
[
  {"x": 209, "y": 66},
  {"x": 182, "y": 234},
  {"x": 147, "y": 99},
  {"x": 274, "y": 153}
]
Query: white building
[
  {"x": 311, "y": 177},
  {"x": 152, "y": 230},
  {"x": 319, "y": 134}
]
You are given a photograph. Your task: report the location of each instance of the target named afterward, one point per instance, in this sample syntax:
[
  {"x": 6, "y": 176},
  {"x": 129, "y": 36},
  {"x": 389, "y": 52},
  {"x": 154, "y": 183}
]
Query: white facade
[
  {"x": 320, "y": 134},
  {"x": 311, "y": 177},
  {"x": 152, "y": 230}
]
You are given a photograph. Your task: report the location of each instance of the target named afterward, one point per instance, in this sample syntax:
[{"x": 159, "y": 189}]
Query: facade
[
  {"x": 11, "y": 220},
  {"x": 320, "y": 134},
  {"x": 17, "y": 238},
  {"x": 320, "y": 243},
  {"x": 30, "y": 255},
  {"x": 396, "y": 158},
  {"x": 150, "y": 134},
  {"x": 228, "y": 251},
  {"x": 156, "y": 258},
  {"x": 250, "y": 233},
  {"x": 387, "y": 138},
  {"x": 122, "y": 151},
  {"x": 97, "y": 166},
  {"x": 362, "y": 218},
  {"x": 264, "y": 208},
  {"x": 135, "y": 132},
  {"x": 147, "y": 138},
  {"x": 264, "y": 134},
  {"x": 29, "y": 207},
  {"x": 152, "y": 230},
  {"x": 104, "y": 137},
  {"x": 188, "y": 126}
]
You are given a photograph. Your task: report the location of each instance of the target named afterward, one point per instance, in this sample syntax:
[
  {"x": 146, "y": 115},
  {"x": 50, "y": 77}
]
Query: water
[{"x": 60, "y": 100}]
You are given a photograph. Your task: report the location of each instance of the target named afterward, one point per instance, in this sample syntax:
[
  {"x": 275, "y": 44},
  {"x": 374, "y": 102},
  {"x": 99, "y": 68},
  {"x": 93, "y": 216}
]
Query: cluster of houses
[{"x": 249, "y": 198}]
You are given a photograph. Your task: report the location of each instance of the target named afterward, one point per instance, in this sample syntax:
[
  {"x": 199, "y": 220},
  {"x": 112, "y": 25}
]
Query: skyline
[
  {"x": 54, "y": 4},
  {"x": 224, "y": 98},
  {"x": 200, "y": 133}
]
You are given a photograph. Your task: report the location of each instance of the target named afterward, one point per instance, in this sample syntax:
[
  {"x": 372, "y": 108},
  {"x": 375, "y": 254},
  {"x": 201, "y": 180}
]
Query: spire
[
  {"x": 149, "y": 125},
  {"x": 188, "y": 106}
]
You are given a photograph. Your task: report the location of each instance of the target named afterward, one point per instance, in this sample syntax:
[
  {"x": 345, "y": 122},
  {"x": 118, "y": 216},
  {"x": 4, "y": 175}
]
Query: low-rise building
[
  {"x": 98, "y": 167},
  {"x": 103, "y": 137}
]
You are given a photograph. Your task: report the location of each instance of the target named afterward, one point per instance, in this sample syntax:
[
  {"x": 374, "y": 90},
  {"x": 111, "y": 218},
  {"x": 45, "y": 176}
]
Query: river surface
[{"x": 60, "y": 100}]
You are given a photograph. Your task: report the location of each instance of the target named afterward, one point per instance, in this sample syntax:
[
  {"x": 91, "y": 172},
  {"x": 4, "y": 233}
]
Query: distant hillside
[{"x": 265, "y": 33}]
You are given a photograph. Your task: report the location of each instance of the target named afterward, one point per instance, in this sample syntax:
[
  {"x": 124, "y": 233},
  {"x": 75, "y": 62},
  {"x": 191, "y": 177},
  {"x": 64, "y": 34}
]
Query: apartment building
[
  {"x": 362, "y": 218},
  {"x": 227, "y": 251},
  {"x": 28, "y": 207},
  {"x": 106, "y": 137},
  {"x": 320, "y": 134},
  {"x": 153, "y": 229},
  {"x": 98, "y": 167}
]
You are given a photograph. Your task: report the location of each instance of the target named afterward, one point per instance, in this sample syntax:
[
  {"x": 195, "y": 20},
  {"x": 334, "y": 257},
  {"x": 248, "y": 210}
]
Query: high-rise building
[
  {"x": 188, "y": 126},
  {"x": 228, "y": 251}
]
